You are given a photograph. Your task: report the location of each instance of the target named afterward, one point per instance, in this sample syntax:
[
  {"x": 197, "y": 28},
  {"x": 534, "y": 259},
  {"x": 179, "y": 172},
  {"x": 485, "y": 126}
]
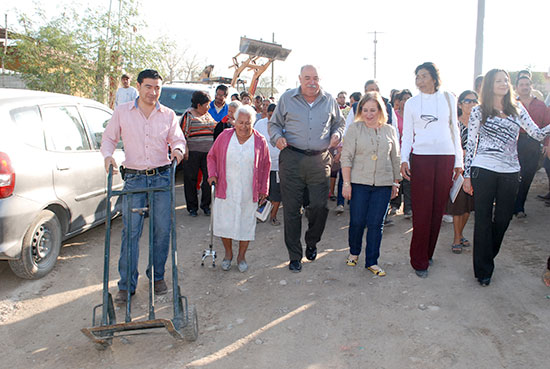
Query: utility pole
[
  {"x": 375, "y": 42},
  {"x": 272, "y": 69},
  {"x": 5, "y": 42},
  {"x": 478, "y": 61}
]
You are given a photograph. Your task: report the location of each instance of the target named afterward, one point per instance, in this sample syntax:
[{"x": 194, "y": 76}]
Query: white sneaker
[
  {"x": 339, "y": 209},
  {"x": 447, "y": 218}
]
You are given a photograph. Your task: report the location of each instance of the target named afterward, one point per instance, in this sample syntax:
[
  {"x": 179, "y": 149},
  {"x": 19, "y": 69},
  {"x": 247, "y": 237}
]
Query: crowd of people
[{"x": 422, "y": 156}]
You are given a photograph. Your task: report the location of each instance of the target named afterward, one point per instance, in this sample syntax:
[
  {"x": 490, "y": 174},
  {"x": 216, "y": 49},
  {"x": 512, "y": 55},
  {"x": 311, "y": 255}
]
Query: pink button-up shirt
[{"x": 145, "y": 139}]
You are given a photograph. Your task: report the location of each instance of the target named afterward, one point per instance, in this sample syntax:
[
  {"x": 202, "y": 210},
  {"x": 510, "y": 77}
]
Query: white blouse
[
  {"x": 426, "y": 128},
  {"x": 494, "y": 145}
]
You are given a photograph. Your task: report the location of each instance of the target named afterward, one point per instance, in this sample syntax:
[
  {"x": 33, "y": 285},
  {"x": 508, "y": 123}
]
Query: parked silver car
[{"x": 52, "y": 179}]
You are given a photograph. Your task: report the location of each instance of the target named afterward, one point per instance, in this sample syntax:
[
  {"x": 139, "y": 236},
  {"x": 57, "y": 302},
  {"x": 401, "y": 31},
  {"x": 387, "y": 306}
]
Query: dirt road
[{"x": 328, "y": 316}]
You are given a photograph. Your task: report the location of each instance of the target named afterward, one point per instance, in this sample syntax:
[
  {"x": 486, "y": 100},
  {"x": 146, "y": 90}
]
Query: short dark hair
[
  {"x": 478, "y": 82},
  {"x": 371, "y": 82},
  {"x": 355, "y": 96},
  {"x": 434, "y": 73},
  {"x": 124, "y": 76},
  {"x": 245, "y": 93},
  {"x": 403, "y": 93},
  {"x": 148, "y": 73},
  {"x": 199, "y": 98},
  {"x": 258, "y": 97},
  {"x": 524, "y": 76},
  {"x": 527, "y": 72},
  {"x": 222, "y": 88},
  {"x": 271, "y": 107},
  {"x": 461, "y": 98},
  {"x": 237, "y": 96},
  {"x": 342, "y": 92}
]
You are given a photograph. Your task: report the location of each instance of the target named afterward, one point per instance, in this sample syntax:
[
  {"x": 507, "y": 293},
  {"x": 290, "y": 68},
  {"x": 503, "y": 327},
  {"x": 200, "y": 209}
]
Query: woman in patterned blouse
[{"x": 492, "y": 166}]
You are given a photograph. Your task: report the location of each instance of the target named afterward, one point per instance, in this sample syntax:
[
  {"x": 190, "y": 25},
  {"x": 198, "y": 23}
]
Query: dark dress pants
[
  {"x": 546, "y": 166},
  {"x": 300, "y": 173},
  {"x": 196, "y": 161},
  {"x": 431, "y": 180},
  {"x": 529, "y": 155},
  {"x": 490, "y": 224},
  {"x": 403, "y": 195}
]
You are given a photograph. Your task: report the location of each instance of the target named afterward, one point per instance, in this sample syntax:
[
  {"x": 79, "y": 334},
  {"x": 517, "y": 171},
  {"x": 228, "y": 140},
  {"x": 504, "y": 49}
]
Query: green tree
[
  {"x": 83, "y": 51},
  {"x": 52, "y": 60}
]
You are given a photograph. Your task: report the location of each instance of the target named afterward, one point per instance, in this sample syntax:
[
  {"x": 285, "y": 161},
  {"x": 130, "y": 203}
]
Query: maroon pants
[{"x": 431, "y": 180}]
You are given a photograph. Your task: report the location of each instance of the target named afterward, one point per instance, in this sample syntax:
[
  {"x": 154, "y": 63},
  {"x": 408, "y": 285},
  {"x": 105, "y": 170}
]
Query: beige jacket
[{"x": 362, "y": 145}]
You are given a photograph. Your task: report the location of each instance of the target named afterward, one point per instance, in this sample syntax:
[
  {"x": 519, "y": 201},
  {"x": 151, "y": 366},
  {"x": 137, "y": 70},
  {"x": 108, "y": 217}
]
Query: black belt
[
  {"x": 306, "y": 152},
  {"x": 148, "y": 172}
]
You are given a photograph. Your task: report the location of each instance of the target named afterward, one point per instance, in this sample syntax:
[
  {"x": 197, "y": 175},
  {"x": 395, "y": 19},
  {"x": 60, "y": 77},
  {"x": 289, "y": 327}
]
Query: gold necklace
[{"x": 374, "y": 155}]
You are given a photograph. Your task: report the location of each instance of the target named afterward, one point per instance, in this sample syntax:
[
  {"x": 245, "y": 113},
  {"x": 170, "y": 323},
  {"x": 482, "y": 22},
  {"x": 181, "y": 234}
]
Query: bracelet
[
  {"x": 396, "y": 184},
  {"x": 347, "y": 184}
]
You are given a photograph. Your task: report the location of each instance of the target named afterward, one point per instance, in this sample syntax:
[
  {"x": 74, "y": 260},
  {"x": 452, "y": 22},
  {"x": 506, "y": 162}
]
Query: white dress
[{"x": 234, "y": 216}]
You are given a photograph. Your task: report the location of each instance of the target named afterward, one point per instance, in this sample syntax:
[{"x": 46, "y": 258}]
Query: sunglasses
[{"x": 470, "y": 101}]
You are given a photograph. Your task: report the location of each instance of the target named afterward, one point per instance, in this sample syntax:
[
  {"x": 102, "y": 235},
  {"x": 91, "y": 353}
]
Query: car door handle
[{"x": 63, "y": 167}]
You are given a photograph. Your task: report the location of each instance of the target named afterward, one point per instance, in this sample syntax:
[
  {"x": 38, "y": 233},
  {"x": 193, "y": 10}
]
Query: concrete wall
[{"x": 11, "y": 81}]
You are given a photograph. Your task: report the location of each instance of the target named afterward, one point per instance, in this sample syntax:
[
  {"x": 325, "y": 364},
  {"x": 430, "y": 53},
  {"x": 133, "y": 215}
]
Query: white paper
[{"x": 455, "y": 189}]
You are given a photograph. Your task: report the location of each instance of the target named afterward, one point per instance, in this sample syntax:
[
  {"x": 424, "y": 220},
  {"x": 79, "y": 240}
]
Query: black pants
[
  {"x": 196, "y": 161},
  {"x": 299, "y": 174},
  {"x": 546, "y": 166},
  {"x": 529, "y": 156},
  {"x": 403, "y": 195},
  {"x": 491, "y": 224}
]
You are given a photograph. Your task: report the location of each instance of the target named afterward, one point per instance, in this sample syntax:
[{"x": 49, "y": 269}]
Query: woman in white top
[
  {"x": 492, "y": 166},
  {"x": 429, "y": 152}
]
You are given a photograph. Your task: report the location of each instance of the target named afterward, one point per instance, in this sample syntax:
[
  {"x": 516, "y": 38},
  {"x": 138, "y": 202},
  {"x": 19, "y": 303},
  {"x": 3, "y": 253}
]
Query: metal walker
[
  {"x": 184, "y": 324},
  {"x": 210, "y": 252}
]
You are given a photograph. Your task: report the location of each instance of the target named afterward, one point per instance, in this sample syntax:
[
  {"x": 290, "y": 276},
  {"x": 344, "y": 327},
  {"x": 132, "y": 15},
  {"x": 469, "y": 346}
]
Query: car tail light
[{"x": 7, "y": 176}]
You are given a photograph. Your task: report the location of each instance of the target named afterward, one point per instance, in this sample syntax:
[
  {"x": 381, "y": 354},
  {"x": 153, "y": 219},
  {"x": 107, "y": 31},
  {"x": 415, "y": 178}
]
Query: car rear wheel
[{"x": 40, "y": 248}]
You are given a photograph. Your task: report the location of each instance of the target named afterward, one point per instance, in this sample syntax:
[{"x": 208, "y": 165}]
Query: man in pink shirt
[{"x": 147, "y": 129}]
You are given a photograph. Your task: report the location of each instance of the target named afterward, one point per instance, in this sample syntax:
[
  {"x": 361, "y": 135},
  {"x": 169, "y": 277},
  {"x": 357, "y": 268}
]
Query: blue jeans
[
  {"x": 368, "y": 208},
  {"x": 161, "y": 226}
]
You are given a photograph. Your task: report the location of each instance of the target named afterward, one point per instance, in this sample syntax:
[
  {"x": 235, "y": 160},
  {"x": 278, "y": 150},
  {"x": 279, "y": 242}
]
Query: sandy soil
[{"x": 328, "y": 316}]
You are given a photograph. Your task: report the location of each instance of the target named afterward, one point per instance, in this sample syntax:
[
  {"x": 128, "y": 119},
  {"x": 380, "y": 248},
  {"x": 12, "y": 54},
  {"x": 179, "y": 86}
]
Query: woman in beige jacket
[{"x": 370, "y": 169}]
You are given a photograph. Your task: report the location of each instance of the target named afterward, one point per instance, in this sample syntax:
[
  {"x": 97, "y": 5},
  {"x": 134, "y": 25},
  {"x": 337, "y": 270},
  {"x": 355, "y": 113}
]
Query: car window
[
  {"x": 64, "y": 129},
  {"x": 28, "y": 124},
  {"x": 97, "y": 120},
  {"x": 177, "y": 99}
]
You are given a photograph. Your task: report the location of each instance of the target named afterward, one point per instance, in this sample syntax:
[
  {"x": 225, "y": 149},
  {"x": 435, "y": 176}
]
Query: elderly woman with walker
[{"x": 239, "y": 166}]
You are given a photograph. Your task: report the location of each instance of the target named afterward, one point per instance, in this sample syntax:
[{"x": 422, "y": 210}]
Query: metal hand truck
[{"x": 184, "y": 324}]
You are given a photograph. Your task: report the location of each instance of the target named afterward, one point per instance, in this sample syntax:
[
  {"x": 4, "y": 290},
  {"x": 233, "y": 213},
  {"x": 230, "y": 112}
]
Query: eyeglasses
[{"x": 470, "y": 101}]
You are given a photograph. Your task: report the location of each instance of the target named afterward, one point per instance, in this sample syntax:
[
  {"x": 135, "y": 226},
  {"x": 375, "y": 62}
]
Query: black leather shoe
[
  {"x": 122, "y": 296},
  {"x": 160, "y": 287},
  {"x": 311, "y": 252},
  {"x": 484, "y": 282},
  {"x": 193, "y": 213},
  {"x": 206, "y": 211},
  {"x": 295, "y": 266},
  {"x": 545, "y": 197}
]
